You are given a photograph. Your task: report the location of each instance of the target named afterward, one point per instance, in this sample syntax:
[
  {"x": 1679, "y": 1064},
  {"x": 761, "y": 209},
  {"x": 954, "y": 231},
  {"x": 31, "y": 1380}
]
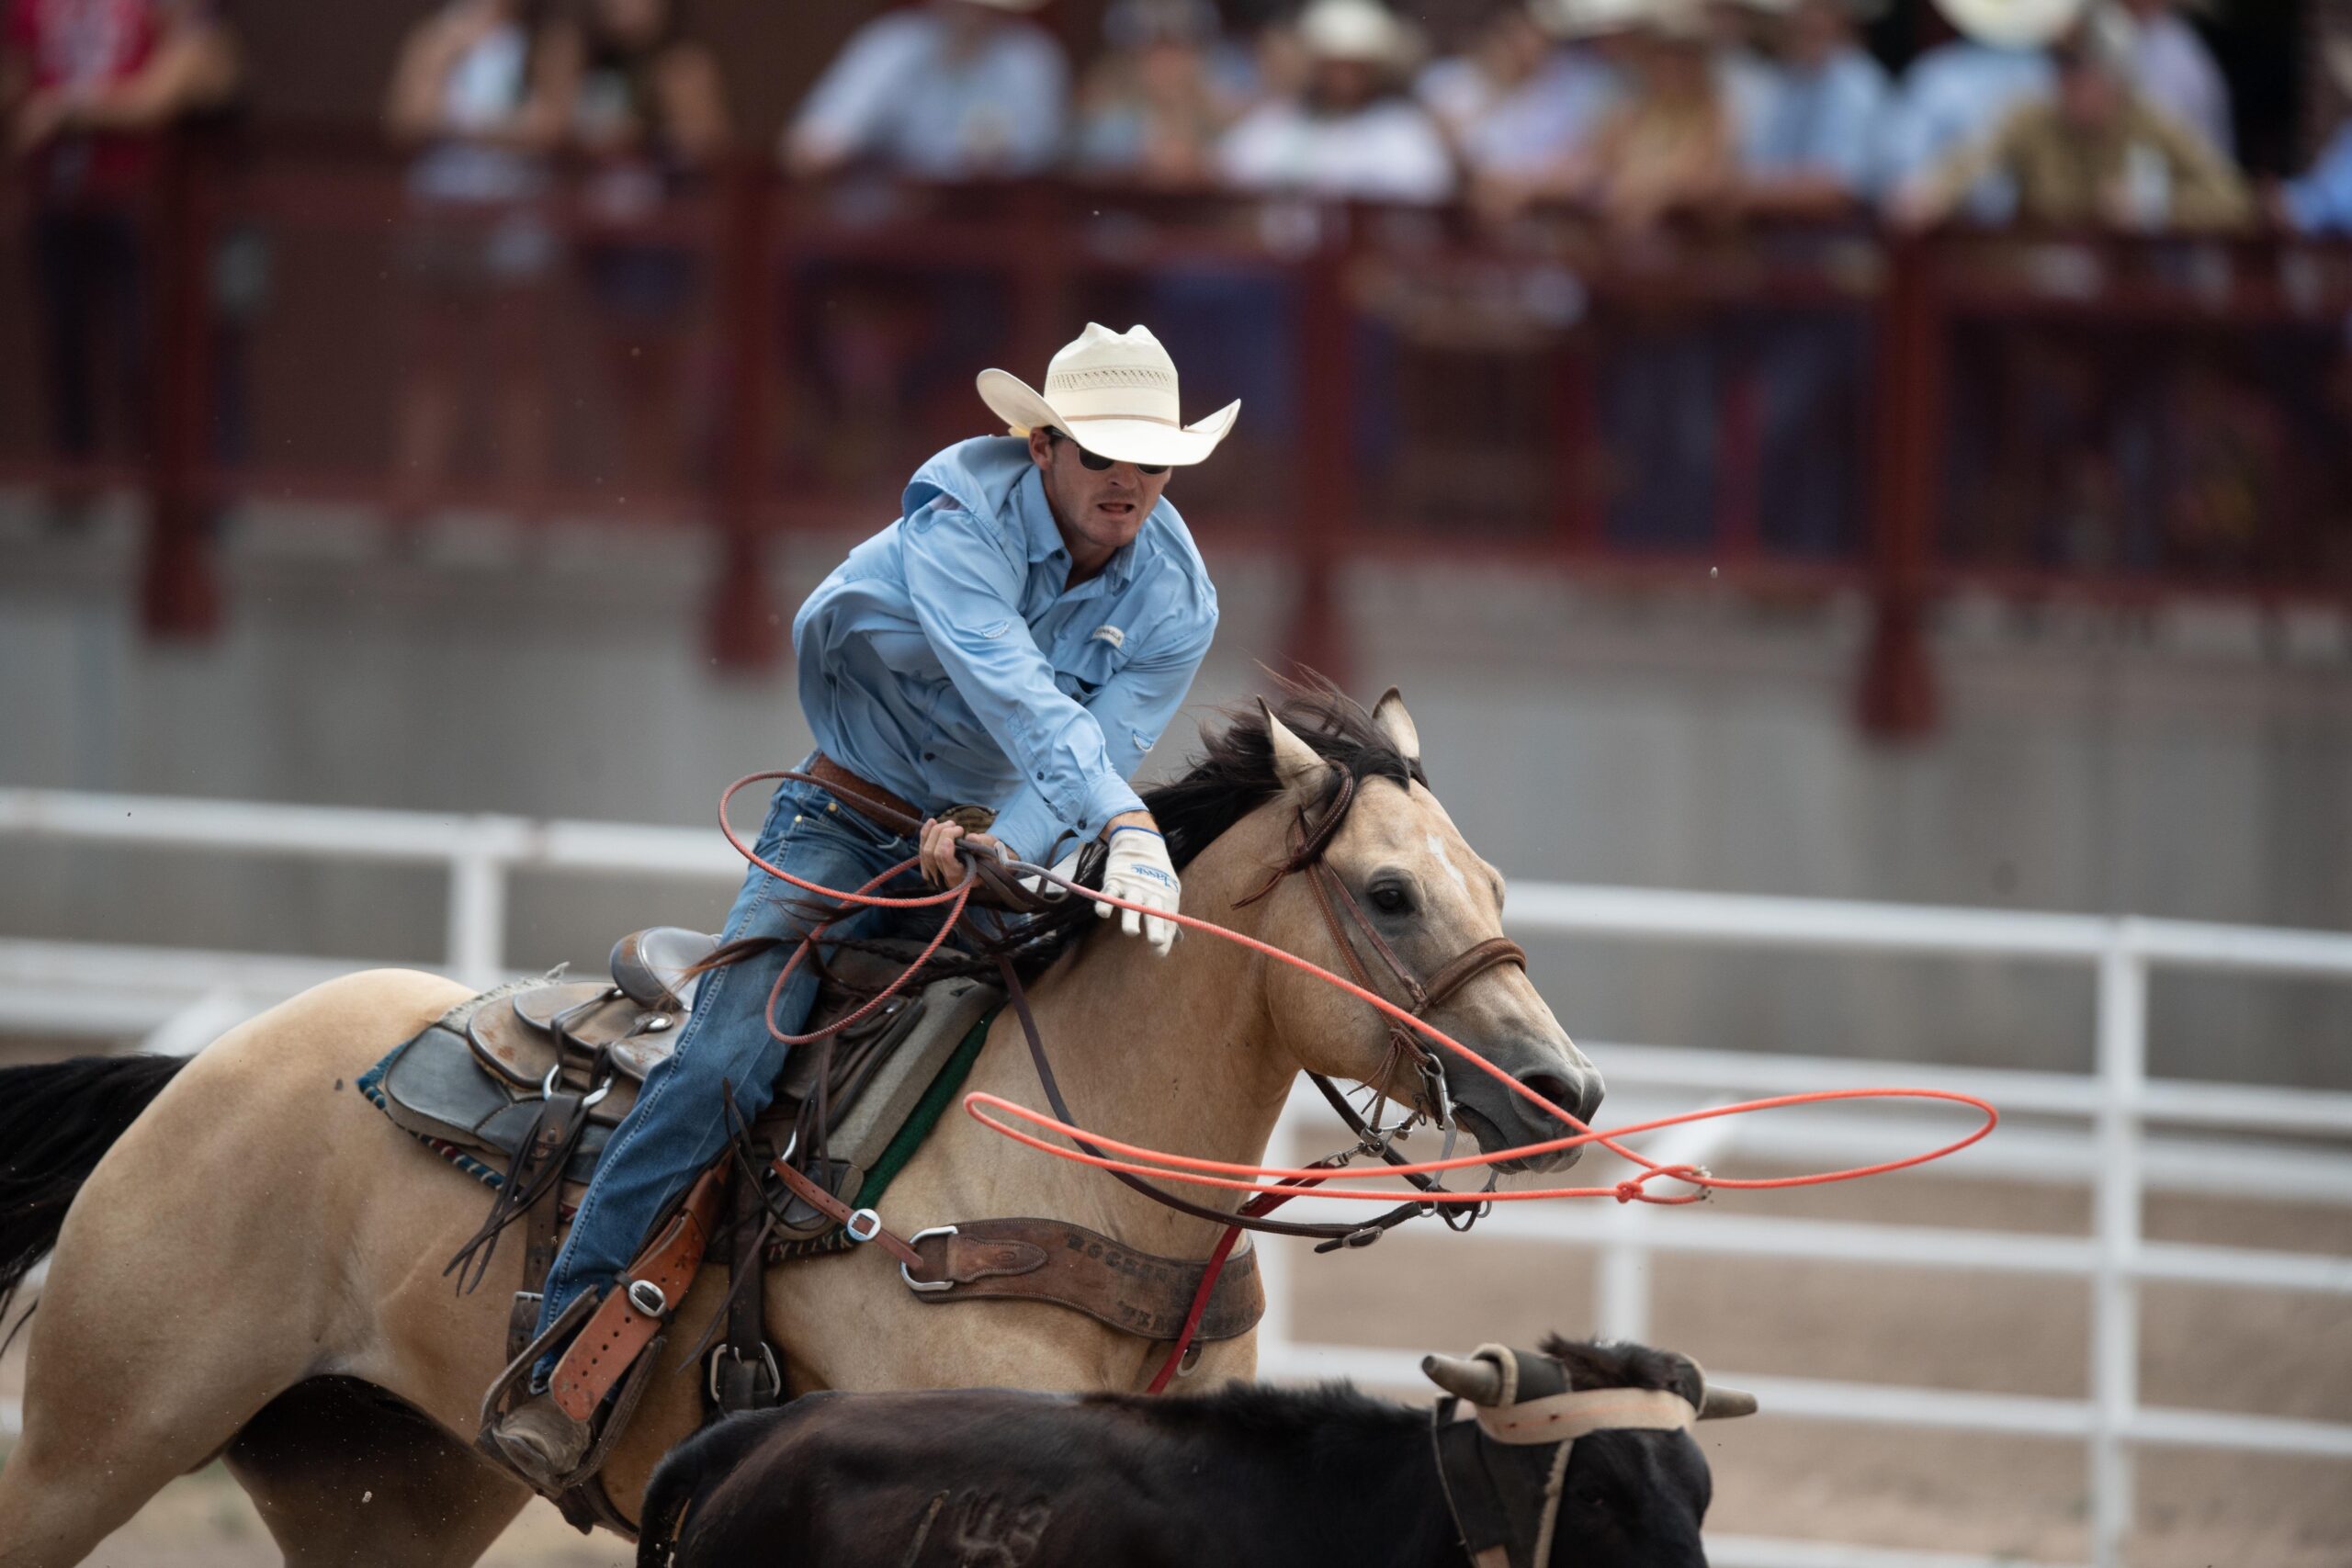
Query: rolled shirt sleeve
[{"x": 965, "y": 590}]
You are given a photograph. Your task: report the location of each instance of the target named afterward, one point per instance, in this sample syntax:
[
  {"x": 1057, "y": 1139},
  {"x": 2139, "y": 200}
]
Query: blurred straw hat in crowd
[
  {"x": 1361, "y": 31},
  {"x": 1574, "y": 19},
  {"x": 1114, "y": 394},
  {"x": 2013, "y": 24},
  {"x": 1676, "y": 22}
]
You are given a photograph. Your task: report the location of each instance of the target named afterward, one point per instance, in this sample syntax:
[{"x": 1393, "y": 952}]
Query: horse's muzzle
[{"x": 1501, "y": 1119}]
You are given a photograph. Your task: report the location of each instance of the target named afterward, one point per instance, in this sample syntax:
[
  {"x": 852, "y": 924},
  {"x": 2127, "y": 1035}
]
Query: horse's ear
[
  {"x": 1300, "y": 766},
  {"x": 1389, "y": 716}
]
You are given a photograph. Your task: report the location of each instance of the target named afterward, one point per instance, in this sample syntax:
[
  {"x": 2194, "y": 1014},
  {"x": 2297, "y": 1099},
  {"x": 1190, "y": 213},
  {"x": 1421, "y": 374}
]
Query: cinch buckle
[
  {"x": 926, "y": 1287},
  {"x": 767, "y": 1364},
  {"x": 647, "y": 1298}
]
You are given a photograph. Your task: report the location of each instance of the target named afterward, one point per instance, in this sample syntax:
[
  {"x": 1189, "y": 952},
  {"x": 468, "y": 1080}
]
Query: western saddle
[{"x": 522, "y": 1086}]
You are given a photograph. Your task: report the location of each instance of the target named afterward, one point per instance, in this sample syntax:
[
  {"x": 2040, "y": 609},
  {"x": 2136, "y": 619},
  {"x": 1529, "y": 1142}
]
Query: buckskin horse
[{"x": 247, "y": 1258}]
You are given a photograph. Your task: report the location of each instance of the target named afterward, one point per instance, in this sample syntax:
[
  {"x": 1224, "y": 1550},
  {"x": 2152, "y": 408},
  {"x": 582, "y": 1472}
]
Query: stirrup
[
  {"x": 518, "y": 1371},
  {"x": 605, "y": 1424}
]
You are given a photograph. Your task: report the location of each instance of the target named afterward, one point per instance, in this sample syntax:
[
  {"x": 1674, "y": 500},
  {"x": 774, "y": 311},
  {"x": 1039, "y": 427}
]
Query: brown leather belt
[{"x": 879, "y": 803}]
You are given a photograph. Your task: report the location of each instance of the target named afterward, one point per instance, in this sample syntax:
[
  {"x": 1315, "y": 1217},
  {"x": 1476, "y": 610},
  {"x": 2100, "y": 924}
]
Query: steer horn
[
  {"x": 1719, "y": 1402},
  {"x": 1474, "y": 1377}
]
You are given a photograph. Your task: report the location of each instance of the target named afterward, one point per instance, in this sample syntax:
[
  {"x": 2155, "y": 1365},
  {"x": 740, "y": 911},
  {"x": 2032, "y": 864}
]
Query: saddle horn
[{"x": 1473, "y": 1378}]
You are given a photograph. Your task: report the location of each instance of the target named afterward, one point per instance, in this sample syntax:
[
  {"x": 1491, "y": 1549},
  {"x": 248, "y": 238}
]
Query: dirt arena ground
[{"x": 2255, "y": 1351}]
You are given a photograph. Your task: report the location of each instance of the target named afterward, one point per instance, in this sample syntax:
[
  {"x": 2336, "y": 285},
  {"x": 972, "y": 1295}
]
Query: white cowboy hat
[
  {"x": 2013, "y": 24},
  {"x": 1114, "y": 394},
  {"x": 1365, "y": 31}
]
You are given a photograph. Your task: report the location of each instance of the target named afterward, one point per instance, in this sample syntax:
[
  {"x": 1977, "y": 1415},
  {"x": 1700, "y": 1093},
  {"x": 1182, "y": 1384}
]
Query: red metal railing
[{"x": 1454, "y": 390}]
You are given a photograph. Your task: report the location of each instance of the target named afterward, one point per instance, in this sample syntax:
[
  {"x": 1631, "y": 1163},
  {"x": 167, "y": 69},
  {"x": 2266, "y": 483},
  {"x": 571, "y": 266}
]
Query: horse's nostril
[{"x": 1579, "y": 1096}]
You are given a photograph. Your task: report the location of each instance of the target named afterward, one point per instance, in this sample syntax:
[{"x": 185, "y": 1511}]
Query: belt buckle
[{"x": 971, "y": 819}]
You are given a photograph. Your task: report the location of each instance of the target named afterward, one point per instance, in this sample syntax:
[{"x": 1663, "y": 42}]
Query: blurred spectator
[
  {"x": 2172, "y": 70},
  {"x": 1668, "y": 145},
  {"x": 2320, "y": 202},
  {"x": 651, "y": 110},
  {"x": 485, "y": 87},
  {"x": 1813, "y": 157},
  {"x": 1152, "y": 106},
  {"x": 1813, "y": 153},
  {"x": 1745, "y": 34},
  {"x": 1515, "y": 102},
  {"x": 1957, "y": 92},
  {"x": 86, "y": 89},
  {"x": 1352, "y": 132},
  {"x": 945, "y": 90},
  {"x": 2098, "y": 154}
]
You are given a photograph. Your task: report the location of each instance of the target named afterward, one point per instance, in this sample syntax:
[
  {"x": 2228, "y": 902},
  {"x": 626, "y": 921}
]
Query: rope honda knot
[{"x": 1633, "y": 1188}]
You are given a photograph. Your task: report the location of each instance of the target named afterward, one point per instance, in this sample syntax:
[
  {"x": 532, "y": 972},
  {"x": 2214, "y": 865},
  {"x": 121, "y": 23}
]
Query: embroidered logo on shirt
[{"x": 1110, "y": 634}]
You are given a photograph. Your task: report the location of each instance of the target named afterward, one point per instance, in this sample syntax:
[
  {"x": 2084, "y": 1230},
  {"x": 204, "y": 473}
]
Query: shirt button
[{"x": 930, "y": 756}]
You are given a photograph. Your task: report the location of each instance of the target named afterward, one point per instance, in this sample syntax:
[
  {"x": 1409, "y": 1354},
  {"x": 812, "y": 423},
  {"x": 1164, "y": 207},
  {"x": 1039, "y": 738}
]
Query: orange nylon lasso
[{"x": 1290, "y": 1180}]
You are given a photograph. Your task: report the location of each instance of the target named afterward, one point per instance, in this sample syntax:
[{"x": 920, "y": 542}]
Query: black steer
[{"x": 994, "y": 1478}]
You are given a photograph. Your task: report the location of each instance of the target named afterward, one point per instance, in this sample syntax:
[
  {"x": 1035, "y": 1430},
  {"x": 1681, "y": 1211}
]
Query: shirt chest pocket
[{"x": 1082, "y": 670}]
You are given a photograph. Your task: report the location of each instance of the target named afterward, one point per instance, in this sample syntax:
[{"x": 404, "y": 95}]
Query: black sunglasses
[{"x": 1096, "y": 461}]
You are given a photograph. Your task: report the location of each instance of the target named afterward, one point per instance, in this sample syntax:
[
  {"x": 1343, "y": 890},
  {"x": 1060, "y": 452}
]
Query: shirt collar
[{"x": 1044, "y": 536}]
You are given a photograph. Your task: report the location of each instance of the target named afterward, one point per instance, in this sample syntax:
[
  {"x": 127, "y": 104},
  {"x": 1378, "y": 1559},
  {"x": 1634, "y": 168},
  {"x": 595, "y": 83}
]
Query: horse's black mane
[{"x": 1233, "y": 773}]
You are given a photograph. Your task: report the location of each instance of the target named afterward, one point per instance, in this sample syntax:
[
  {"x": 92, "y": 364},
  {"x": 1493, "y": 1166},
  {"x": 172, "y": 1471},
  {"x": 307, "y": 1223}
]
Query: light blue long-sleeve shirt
[
  {"x": 949, "y": 661},
  {"x": 2320, "y": 202},
  {"x": 895, "y": 93},
  {"x": 1825, "y": 120}
]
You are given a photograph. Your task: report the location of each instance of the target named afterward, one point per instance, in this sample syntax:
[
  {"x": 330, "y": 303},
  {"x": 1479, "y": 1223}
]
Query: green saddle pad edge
[{"x": 896, "y": 1154}]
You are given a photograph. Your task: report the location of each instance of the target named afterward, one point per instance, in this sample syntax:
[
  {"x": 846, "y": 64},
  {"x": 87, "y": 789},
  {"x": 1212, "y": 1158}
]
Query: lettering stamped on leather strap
[{"x": 1052, "y": 1260}]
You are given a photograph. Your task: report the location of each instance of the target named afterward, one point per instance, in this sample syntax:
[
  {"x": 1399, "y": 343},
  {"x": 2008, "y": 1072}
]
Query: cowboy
[{"x": 996, "y": 663}]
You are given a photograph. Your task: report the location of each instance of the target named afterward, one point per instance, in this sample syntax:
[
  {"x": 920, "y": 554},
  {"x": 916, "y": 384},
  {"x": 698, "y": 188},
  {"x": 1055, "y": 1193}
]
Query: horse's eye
[{"x": 1391, "y": 899}]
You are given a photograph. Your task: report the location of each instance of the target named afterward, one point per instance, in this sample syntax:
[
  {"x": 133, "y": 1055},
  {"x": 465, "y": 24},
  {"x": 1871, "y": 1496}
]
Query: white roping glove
[{"x": 1140, "y": 873}]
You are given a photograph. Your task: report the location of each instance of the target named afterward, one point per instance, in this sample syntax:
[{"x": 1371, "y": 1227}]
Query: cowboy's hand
[
  {"x": 941, "y": 867},
  {"x": 1139, "y": 871}
]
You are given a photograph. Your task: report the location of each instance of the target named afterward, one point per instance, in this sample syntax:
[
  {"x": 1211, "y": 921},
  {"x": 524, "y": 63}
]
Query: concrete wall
[{"x": 2194, "y": 765}]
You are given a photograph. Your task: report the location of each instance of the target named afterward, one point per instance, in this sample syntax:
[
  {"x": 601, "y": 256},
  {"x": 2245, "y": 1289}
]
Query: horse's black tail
[{"x": 57, "y": 1121}]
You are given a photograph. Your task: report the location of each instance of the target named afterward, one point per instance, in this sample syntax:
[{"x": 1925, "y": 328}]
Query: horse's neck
[{"x": 1174, "y": 1054}]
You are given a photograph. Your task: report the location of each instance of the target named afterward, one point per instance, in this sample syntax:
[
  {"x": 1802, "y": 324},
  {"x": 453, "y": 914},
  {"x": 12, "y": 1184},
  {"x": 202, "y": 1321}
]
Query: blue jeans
[{"x": 679, "y": 1123}]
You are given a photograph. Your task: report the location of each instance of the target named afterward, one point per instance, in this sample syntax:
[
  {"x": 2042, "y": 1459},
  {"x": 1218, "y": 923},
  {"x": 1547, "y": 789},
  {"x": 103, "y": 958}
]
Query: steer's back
[{"x": 916, "y": 1480}]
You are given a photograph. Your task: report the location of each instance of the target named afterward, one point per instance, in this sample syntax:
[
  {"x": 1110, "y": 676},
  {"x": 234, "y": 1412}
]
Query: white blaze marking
[{"x": 1438, "y": 849}]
